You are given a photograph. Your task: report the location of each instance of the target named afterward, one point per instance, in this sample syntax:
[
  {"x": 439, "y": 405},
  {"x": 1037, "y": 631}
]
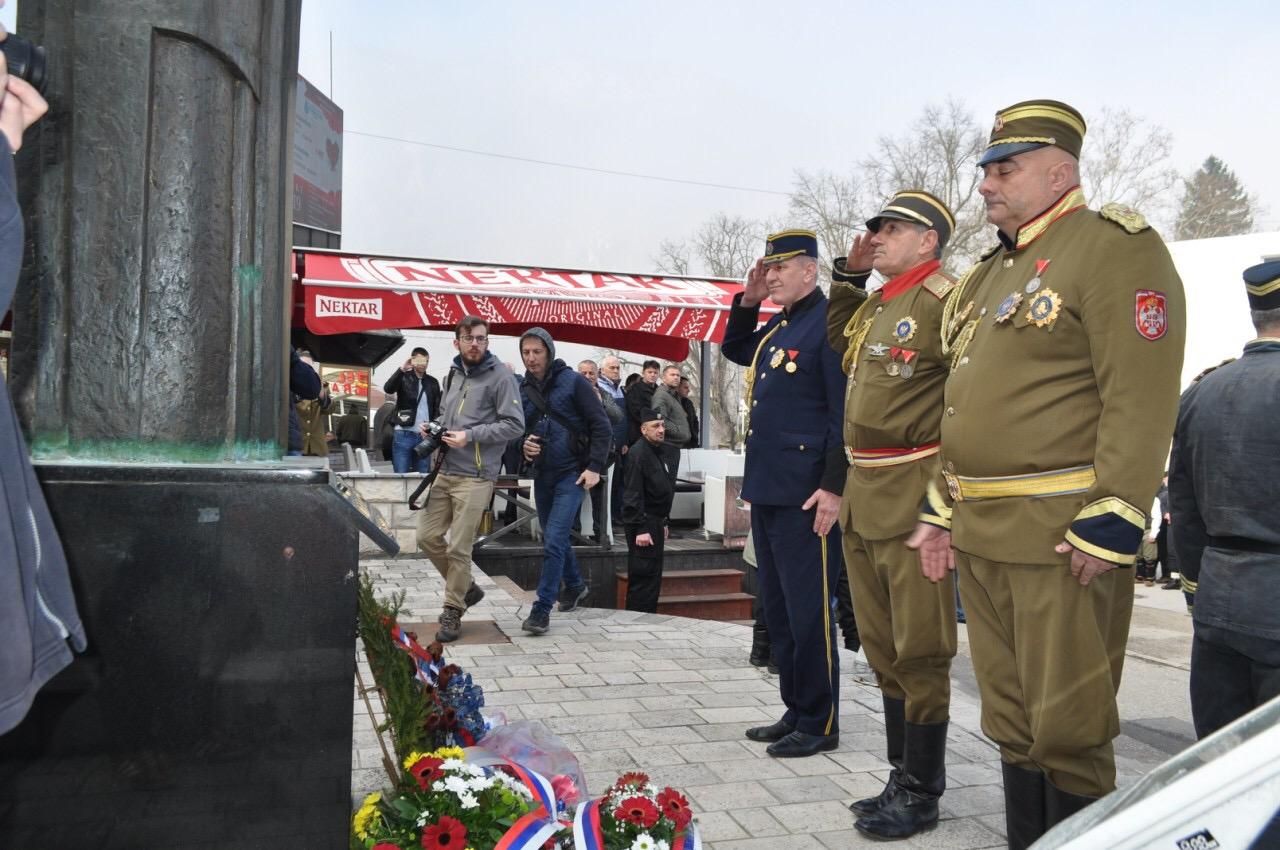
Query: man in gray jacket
[
  {"x": 482, "y": 411},
  {"x": 666, "y": 400}
]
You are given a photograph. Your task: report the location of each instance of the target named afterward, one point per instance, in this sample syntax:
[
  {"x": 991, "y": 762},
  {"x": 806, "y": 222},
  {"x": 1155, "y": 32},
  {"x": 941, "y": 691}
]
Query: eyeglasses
[{"x": 478, "y": 340}]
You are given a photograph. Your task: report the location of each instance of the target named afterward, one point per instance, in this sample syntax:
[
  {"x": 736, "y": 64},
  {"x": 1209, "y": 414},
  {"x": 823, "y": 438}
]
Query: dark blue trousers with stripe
[{"x": 797, "y": 576}]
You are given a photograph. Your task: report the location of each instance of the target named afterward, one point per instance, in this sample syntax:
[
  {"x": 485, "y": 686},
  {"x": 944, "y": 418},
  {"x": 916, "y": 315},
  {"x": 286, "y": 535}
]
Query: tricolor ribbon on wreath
[
  {"x": 589, "y": 835},
  {"x": 425, "y": 667},
  {"x": 533, "y": 829}
]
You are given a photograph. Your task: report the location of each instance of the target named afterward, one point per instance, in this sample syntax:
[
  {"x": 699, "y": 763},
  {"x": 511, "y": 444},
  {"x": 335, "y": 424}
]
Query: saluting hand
[
  {"x": 1084, "y": 566},
  {"x": 937, "y": 557},
  {"x": 828, "y": 510},
  {"x": 754, "y": 289},
  {"x": 860, "y": 254}
]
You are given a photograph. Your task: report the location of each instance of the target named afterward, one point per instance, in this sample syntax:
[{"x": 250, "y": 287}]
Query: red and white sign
[
  {"x": 648, "y": 314},
  {"x": 1150, "y": 315}
]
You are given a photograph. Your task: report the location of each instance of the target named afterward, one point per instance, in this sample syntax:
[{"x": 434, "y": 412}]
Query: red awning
[{"x": 647, "y": 314}]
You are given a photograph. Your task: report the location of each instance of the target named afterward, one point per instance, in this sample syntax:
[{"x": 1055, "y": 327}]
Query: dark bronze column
[{"x": 151, "y": 320}]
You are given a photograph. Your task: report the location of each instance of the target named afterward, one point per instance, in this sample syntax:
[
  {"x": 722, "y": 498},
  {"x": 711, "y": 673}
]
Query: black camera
[
  {"x": 25, "y": 60},
  {"x": 431, "y": 442}
]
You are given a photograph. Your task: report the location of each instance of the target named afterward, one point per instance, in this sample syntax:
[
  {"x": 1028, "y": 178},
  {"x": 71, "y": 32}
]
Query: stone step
[
  {"x": 687, "y": 583},
  {"x": 707, "y": 606}
]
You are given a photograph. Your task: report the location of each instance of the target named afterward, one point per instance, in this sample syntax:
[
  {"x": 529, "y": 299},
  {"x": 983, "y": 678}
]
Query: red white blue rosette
[{"x": 532, "y": 830}]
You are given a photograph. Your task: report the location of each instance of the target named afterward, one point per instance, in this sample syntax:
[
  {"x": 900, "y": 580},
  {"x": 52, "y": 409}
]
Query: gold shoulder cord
[
  {"x": 749, "y": 377},
  {"x": 855, "y": 331},
  {"x": 955, "y": 339}
]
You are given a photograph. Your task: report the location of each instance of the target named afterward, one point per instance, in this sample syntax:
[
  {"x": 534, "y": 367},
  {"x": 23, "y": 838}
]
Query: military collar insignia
[
  {"x": 1044, "y": 308},
  {"x": 1008, "y": 307},
  {"x": 1034, "y": 229}
]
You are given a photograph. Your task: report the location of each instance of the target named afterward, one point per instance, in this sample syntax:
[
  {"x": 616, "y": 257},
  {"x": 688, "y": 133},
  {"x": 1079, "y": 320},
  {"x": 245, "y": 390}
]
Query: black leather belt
[{"x": 1244, "y": 544}]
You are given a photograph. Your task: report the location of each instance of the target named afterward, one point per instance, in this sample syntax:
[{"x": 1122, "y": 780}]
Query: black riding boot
[
  {"x": 844, "y": 613},
  {"x": 1060, "y": 805},
  {"x": 914, "y": 804},
  {"x": 1024, "y": 805},
  {"x": 894, "y": 719}
]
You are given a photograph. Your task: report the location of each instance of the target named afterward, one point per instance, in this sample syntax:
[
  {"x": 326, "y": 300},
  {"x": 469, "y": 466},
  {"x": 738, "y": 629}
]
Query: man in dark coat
[
  {"x": 38, "y": 617},
  {"x": 795, "y": 472},
  {"x": 646, "y": 506},
  {"x": 417, "y": 401},
  {"x": 1224, "y": 485}
]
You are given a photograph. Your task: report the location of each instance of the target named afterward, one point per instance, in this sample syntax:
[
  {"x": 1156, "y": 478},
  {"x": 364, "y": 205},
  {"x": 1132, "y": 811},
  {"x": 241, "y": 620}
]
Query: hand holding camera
[{"x": 432, "y": 434}]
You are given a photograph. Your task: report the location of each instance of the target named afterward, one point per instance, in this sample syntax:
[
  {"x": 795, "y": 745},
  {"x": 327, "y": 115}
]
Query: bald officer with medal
[
  {"x": 795, "y": 471},
  {"x": 892, "y": 351},
  {"x": 1065, "y": 344}
]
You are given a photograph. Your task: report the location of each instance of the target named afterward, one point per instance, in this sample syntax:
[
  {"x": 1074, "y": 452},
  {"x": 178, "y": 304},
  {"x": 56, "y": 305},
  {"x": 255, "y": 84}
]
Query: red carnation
[
  {"x": 675, "y": 807},
  {"x": 633, "y": 778},
  {"x": 448, "y": 834},
  {"x": 637, "y": 810},
  {"x": 426, "y": 770}
]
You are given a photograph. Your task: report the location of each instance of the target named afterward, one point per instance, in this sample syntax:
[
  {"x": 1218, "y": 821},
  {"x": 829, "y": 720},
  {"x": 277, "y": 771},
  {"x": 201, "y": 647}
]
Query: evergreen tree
[{"x": 1214, "y": 203}]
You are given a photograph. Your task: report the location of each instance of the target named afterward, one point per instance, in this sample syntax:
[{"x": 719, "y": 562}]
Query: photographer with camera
[
  {"x": 417, "y": 401},
  {"x": 479, "y": 412},
  {"x": 567, "y": 444}
]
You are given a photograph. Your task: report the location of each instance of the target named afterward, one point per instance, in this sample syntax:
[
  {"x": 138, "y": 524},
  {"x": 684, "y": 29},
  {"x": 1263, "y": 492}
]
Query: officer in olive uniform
[
  {"x": 892, "y": 350},
  {"x": 1224, "y": 485},
  {"x": 1066, "y": 345},
  {"x": 795, "y": 470}
]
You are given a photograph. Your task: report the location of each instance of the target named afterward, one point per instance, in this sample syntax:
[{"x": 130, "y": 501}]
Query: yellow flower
[
  {"x": 365, "y": 814},
  {"x": 447, "y": 753},
  {"x": 412, "y": 759}
]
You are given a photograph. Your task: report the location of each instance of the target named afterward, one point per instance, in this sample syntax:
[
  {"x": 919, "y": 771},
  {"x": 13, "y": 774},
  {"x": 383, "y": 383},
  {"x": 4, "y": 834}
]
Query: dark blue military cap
[
  {"x": 790, "y": 243},
  {"x": 1263, "y": 283}
]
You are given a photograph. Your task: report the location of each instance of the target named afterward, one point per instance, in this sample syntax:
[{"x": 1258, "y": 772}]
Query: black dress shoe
[
  {"x": 775, "y": 732},
  {"x": 799, "y": 744}
]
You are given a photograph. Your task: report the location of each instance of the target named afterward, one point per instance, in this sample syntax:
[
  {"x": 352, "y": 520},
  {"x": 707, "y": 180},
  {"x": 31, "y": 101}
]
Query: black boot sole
[{"x": 877, "y": 837}]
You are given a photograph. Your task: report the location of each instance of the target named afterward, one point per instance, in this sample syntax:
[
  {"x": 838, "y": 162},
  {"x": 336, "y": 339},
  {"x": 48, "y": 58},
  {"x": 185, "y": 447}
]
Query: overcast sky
[{"x": 735, "y": 93}]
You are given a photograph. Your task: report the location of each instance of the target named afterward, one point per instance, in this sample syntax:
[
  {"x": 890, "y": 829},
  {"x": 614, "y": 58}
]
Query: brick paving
[{"x": 672, "y": 696}]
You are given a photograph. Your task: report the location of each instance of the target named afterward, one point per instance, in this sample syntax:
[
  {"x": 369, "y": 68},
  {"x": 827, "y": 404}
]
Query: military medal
[
  {"x": 905, "y": 329},
  {"x": 877, "y": 350},
  {"x": 1008, "y": 307},
  {"x": 791, "y": 366},
  {"x": 792, "y": 354},
  {"x": 907, "y": 369},
  {"x": 893, "y": 368},
  {"x": 776, "y": 360},
  {"x": 1044, "y": 308},
  {"x": 1034, "y": 283}
]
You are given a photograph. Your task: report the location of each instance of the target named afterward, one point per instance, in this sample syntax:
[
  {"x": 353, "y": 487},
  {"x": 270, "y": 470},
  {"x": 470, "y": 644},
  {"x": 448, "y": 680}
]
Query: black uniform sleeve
[
  {"x": 1187, "y": 534},
  {"x": 633, "y": 489}
]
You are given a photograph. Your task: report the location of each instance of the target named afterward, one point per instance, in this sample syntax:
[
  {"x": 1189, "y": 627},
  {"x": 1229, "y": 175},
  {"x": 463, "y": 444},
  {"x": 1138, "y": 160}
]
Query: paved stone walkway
[{"x": 672, "y": 696}]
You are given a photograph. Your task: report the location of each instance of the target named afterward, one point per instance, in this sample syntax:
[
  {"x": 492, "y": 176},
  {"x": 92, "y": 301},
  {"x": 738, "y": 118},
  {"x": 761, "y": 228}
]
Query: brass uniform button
[
  {"x": 1008, "y": 262},
  {"x": 802, "y": 447},
  {"x": 750, "y": 432},
  {"x": 964, "y": 361},
  {"x": 784, "y": 323},
  {"x": 951, "y": 411},
  {"x": 754, "y": 402}
]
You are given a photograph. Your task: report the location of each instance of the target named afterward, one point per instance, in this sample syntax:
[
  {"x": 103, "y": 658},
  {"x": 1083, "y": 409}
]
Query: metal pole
[{"x": 704, "y": 394}]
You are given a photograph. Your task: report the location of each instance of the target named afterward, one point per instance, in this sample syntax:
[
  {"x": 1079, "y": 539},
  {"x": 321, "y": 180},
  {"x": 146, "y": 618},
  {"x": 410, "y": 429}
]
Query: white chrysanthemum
[
  {"x": 468, "y": 800},
  {"x": 455, "y": 785},
  {"x": 438, "y": 786},
  {"x": 644, "y": 841},
  {"x": 453, "y": 764},
  {"x": 481, "y": 783},
  {"x": 662, "y": 845}
]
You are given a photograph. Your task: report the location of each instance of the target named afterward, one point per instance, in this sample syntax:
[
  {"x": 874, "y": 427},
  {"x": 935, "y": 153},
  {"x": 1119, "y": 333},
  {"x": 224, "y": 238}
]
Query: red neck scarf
[{"x": 908, "y": 279}]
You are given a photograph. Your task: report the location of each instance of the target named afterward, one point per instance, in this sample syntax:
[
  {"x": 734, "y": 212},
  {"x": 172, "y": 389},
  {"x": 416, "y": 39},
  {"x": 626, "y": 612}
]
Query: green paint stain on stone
[
  {"x": 250, "y": 278},
  {"x": 56, "y": 446}
]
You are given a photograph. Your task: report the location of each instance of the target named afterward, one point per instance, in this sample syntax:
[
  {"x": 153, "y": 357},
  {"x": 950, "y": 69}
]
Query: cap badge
[
  {"x": 999, "y": 123},
  {"x": 768, "y": 248}
]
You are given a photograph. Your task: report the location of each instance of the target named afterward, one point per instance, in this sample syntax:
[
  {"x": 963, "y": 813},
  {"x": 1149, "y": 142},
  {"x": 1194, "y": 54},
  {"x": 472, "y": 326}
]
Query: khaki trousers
[
  {"x": 1048, "y": 655},
  {"x": 906, "y": 622},
  {"x": 455, "y": 505}
]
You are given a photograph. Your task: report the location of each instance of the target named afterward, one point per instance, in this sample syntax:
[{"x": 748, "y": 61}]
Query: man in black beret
[{"x": 646, "y": 506}]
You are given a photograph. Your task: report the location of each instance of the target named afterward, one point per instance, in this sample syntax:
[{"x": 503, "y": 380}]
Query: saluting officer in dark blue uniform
[{"x": 795, "y": 472}]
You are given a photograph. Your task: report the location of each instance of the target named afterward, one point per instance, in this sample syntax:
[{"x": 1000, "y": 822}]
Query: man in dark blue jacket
[
  {"x": 567, "y": 441},
  {"x": 795, "y": 472}
]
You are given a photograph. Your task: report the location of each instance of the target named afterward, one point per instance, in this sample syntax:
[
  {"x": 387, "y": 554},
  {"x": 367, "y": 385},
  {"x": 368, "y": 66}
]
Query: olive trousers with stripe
[
  {"x": 797, "y": 572},
  {"x": 1048, "y": 654},
  {"x": 907, "y": 624}
]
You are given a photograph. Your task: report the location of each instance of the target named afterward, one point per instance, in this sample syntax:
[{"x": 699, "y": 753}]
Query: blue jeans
[
  {"x": 402, "y": 457},
  {"x": 558, "y": 503}
]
